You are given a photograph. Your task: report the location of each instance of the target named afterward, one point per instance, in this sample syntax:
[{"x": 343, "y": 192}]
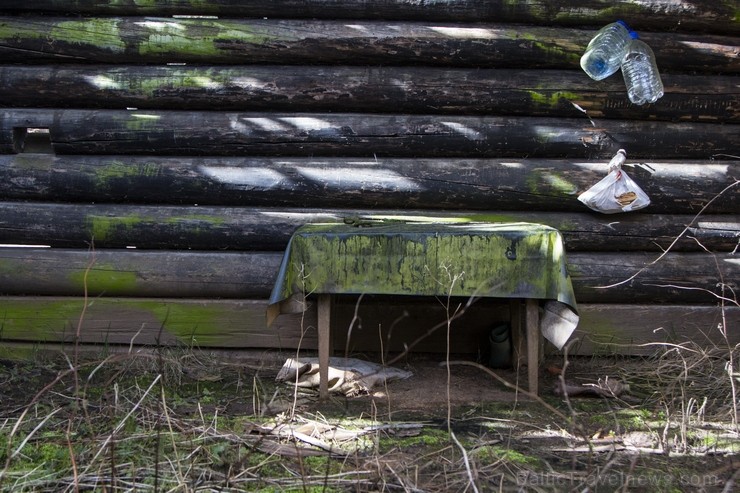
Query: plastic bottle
[
  {"x": 641, "y": 72},
  {"x": 605, "y": 51}
]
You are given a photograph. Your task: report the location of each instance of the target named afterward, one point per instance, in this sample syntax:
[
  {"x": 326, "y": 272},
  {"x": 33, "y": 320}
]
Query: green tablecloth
[{"x": 501, "y": 260}]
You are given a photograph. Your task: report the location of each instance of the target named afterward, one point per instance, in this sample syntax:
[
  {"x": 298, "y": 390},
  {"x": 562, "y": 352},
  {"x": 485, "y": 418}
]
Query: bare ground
[{"x": 219, "y": 422}]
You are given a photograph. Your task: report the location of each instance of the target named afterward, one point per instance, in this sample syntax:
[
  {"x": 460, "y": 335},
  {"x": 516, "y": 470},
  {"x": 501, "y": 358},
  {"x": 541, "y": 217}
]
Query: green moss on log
[
  {"x": 102, "y": 227},
  {"x": 203, "y": 38},
  {"x": 109, "y": 228},
  {"x": 107, "y": 175},
  {"x": 143, "y": 86},
  {"x": 49, "y": 321},
  {"x": 568, "y": 51},
  {"x": 190, "y": 324},
  {"x": 554, "y": 99},
  {"x": 107, "y": 279},
  {"x": 99, "y": 32}
]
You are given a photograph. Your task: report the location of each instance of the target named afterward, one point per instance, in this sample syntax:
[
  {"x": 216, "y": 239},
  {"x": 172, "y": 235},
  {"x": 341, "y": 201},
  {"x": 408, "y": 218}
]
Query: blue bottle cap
[
  {"x": 620, "y": 21},
  {"x": 634, "y": 35}
]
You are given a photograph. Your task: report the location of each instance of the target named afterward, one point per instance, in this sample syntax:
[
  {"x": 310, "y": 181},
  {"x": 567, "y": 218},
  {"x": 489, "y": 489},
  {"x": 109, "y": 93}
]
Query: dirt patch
[{"x": 428, "y": 390}]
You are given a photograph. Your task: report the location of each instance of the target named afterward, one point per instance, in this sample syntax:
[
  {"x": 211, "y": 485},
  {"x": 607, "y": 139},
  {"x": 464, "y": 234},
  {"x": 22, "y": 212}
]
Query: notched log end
[{"x": 26, "y": 140}]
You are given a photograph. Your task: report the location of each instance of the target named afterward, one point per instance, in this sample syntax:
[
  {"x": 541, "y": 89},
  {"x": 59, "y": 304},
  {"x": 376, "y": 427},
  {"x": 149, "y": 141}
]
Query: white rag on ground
[{"x": 348, "y": 376}]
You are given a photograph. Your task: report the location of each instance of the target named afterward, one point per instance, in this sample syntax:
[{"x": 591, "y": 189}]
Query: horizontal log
[
  {"x": 242, "y": 228},
  {"x": 361, "y": 135},
  {"x": 365, "y": 89},
  {"x": 137, "y": 273},
  {"x": 603, "y": 329},
  {"x": 484, "y": 184},
  {"x": 198, "y": 323},
  {"x": 202, "y": 40},
  {"x": 706, "y": 15},
  {"x": 676, "y": 278},
  {"x": 651, "y": 329}
]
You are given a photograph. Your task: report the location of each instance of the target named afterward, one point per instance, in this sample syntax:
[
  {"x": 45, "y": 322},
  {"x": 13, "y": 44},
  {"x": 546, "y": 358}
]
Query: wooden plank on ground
[
  {"x": 705, "y": 15},
  {"x": 201, "y": 133},
  {"x": 675, "y": 187},
  {"x": 365, "y": 89},
  {"x": 247, "y": 228},
  {"x": 361, "y": 42},
  {"x": 604, "y": 328},
  {"x": 676, "y": 278}
]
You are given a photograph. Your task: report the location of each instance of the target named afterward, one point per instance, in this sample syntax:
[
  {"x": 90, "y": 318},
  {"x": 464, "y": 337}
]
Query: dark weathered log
[
  {"x": 353, "y": 134},
  {"x": 199, "y": 40},
  {"x": 203, "y": 323},
  {"x": 240, "y": 228},
  {"x": 676, "y": 278},
  {"x": 706, "y": 15},
  {"x": 491, "y": 184},
  {"x": 365, "y": 89},
  {"x": 137, "y": 273}
]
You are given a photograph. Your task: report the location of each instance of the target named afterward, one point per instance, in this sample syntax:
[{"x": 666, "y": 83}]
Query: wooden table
[{"x": 519, "y": 261}]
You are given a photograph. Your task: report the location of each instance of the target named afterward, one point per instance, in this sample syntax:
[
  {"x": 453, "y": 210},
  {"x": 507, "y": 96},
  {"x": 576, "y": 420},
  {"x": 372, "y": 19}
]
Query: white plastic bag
[{"x": 616, "y": 192}]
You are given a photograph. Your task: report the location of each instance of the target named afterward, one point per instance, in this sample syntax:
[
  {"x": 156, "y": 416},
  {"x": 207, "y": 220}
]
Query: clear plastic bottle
[
  {"x": 641, "y": 73},
  {"x": 605, "y": 51}
]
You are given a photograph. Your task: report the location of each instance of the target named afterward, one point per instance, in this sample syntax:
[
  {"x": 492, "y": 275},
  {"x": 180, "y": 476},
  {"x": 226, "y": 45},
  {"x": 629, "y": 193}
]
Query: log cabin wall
[{"x": 160, "y": 154}]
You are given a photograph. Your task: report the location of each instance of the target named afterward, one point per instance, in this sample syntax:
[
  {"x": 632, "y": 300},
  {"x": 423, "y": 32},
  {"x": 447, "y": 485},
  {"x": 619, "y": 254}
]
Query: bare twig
[
  {"x": 76, "y": 481},
  {"x": 471, "y": 479},
  {"x": 355, "y": 319}
]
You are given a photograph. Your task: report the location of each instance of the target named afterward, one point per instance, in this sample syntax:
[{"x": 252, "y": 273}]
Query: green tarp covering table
[{"x": 499, "y": 260}]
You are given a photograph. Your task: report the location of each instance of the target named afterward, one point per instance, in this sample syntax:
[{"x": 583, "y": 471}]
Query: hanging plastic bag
[{"x": 616, "y": 192}]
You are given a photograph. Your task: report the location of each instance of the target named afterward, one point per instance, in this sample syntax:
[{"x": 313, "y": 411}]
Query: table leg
[
  {"x": 518, "y": 333},
  {"x": 324, "y": 320},
  {"x": 533, "y": 344}
]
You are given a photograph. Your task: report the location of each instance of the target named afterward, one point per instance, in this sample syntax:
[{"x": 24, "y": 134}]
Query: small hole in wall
[{"x": 33, "y": 140}]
